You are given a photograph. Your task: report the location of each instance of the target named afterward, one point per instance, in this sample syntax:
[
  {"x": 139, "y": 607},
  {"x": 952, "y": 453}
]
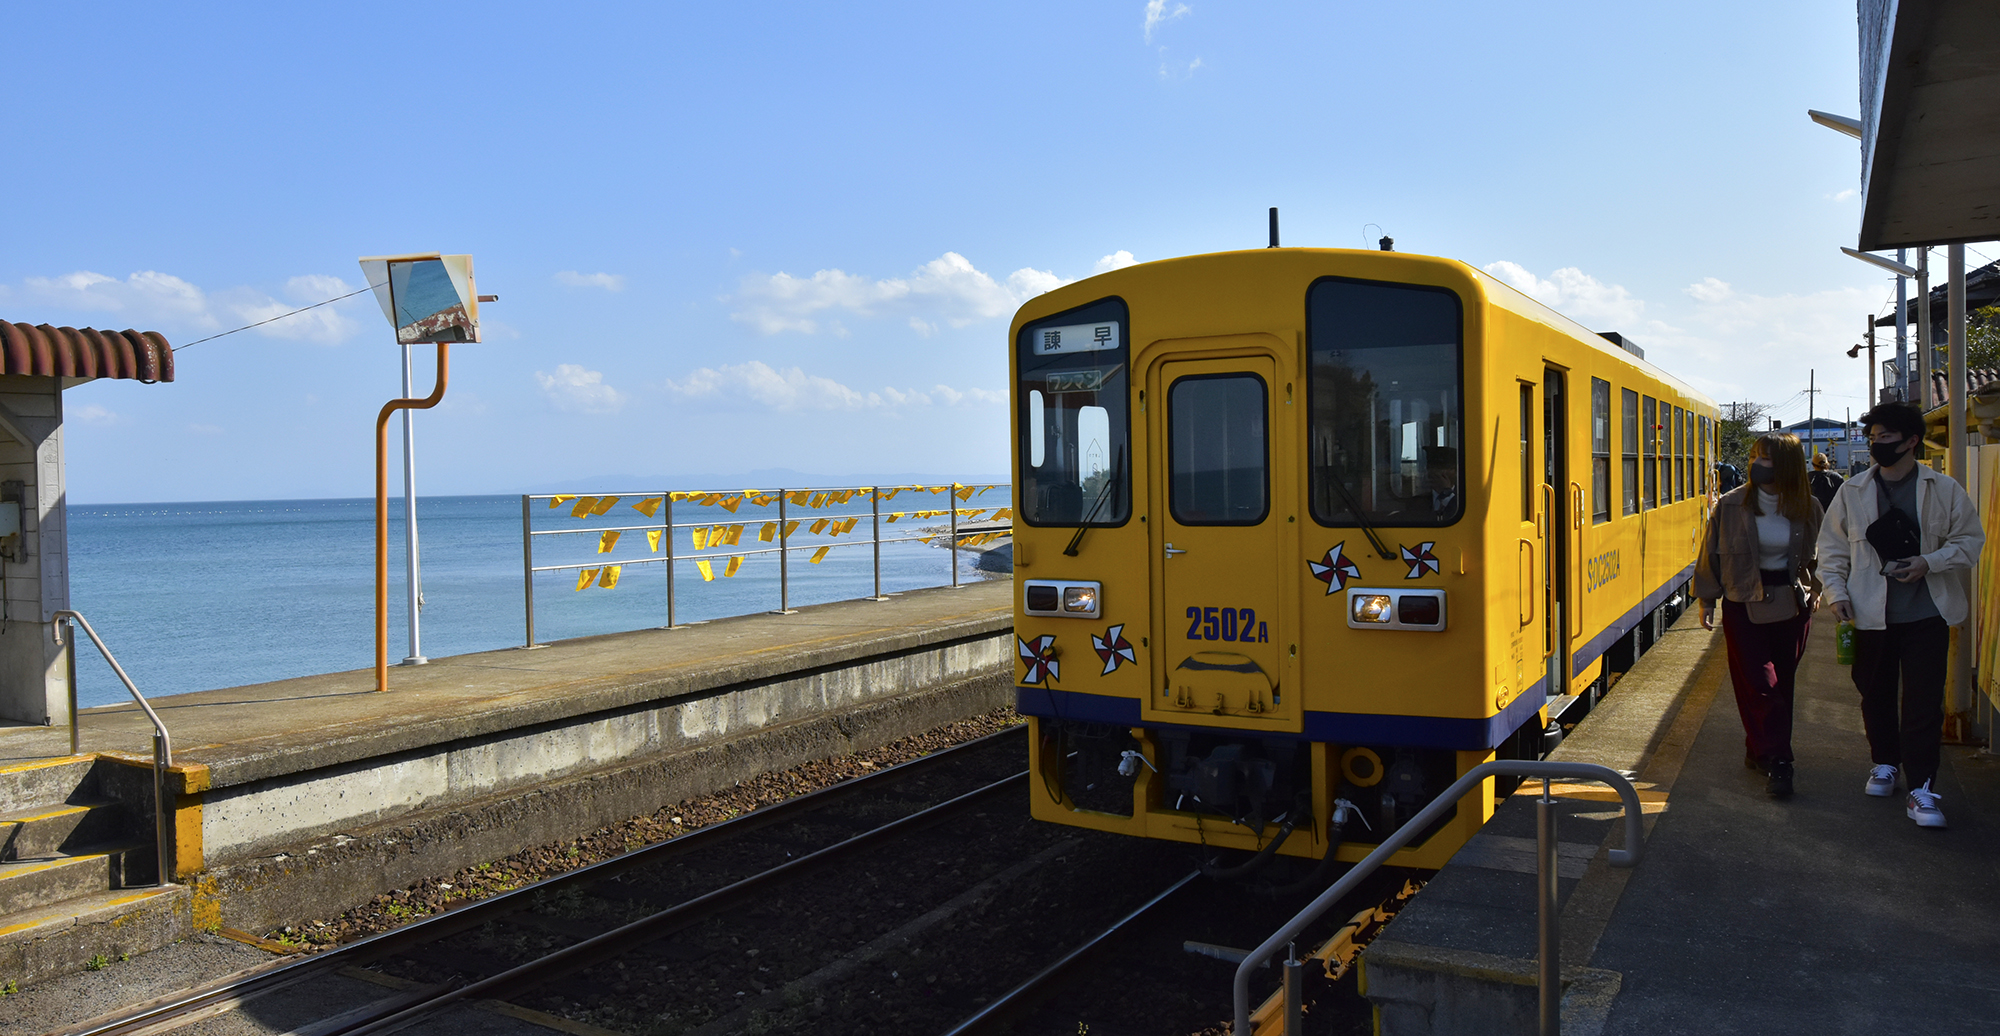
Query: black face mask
[
  {"x": 1886, "y": 453},
  {"x": 1763, "y": 473}
]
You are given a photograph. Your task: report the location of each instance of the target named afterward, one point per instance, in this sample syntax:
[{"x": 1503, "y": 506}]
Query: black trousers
[
  {"x": 1763, "y": 667},
  {"x": 1908, "y": 736}
]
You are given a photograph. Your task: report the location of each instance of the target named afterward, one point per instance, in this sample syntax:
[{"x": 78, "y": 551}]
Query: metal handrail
[
  {"x": 163, "y": 745},
  {"x": 1550, "y": 982},
  {"x": 784, "y": 547}
]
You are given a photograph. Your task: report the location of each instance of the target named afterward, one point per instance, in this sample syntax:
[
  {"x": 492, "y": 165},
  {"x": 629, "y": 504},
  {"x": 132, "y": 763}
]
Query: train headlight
[
  {"x": 1396, "y": 608},
  {"x": 1062, "y": 598}
]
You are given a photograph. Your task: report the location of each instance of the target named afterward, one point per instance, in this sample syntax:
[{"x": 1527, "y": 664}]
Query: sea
[{"x": 201, "y": 596}]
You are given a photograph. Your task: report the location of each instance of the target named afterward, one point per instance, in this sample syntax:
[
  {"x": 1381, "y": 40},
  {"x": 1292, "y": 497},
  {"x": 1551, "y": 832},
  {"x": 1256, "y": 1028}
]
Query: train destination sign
[{"x": 1076, "y": 338}]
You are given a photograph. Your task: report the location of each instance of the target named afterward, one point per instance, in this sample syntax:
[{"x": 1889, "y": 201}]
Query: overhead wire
[{"x": 279, "y": 317}]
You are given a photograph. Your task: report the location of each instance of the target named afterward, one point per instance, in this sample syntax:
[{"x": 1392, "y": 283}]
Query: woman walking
[{"x": 1758, "y": 556}]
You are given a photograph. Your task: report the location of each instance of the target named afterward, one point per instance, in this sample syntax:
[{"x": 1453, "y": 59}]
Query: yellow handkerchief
[
  {"x": 648, "y": 507},
  {"x": 700, "y": 537},
  {"x": 818, "y": 554},
  {"x": 583, "y": 506},
  {"x": 586, "y": 577},
  {"x": 610, "y": 577},
  {"x": 653, "y": 539},
  {"x": 607, "y": 541},
  {"x": 769, "y": 532},
  {"x": 604, "y": 504},
  {"x": 734, "y": 564},
  {"x": 558, "y": 501}
]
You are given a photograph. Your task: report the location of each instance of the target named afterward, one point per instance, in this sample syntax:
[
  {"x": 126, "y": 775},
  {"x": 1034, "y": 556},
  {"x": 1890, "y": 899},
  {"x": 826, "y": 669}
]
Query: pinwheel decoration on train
[
  {"x": 1113, "y": 648},
  {"x": 1040, "y": 654},
  {"x": 1334, "y": 570},
  {"x": 1421, "y": 560}
]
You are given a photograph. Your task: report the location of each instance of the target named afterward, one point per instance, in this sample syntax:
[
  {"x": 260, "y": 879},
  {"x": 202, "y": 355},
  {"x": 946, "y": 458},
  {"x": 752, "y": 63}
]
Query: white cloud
[
  {"x": 153, "y": 300},
  {"x": 577, "y": 390},
  {"x": 1115, "y": 261},
  {"x": 1157, "y": 14},
  {"x": 1728, "y": 342},
  {"x": 607, "y": 281},
  {"x": 792, "y": 389},
  {"x": 1844, "y": 195},
  {"x": 1577, "y": 295},
  {"x": 948, "y": 288},
  {"x": 91, "y": 413}
]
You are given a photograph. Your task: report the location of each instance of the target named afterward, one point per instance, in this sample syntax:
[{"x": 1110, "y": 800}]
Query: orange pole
[{"x": 382, "y": 512}]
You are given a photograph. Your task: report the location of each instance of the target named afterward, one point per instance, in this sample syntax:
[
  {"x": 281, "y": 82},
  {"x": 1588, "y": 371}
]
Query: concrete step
[
  {"x": 43, "y": 782},
  {"x": 104, "y": 926},
  {"x": 29, "y": 884},
  {"x": 50, "y": 831}
]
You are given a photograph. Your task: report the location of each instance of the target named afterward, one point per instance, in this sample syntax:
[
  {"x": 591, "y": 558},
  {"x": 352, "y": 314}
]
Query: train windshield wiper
[
  {"x": 1355, "y": 506},
  {"x": 1110, "y": 488}
]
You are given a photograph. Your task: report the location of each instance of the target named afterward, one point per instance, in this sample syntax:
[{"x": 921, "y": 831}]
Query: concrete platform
[
  {"x": 302, "y": 797},
  {"x": 1829, "y": 912}
]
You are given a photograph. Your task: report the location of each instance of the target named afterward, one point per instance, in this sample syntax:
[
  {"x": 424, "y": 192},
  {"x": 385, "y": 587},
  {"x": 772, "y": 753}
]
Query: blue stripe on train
[
  {"x": 1598, "y": 645},
  {"x": 1344, "y": 728}
]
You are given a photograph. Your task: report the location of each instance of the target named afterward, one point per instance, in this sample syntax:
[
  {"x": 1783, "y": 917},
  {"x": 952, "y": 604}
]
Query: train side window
[
  {"x": 1677, "y": 445},
  {"x": 1385, "y": 393},
  {"x": 1704, "y": 467},
  {"x": 1527, "y": 453},
  {"x": 1685, "y": 485},
  {"x": 1600, "y": 450},
  {"x": 1216, "y": 447},
  {"x": 1075, "y": 464},
  {"x": 1628, "y": 472},
  {"x": 1649, "y": 413}
]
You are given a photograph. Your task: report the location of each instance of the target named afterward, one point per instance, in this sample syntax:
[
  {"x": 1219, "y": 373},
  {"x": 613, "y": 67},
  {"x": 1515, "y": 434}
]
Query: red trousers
[{"x": 1763, "y": 661}]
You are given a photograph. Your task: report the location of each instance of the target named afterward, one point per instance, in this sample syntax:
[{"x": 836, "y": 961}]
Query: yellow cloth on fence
[
  {"x": 790, "y": 528},
  {"x": 972, "y": 515},
  {"x": 1004, "y": 512},
  {"x": 559, "y": 500},
  {"x": 603, "y": 505},
  {"x": 892, "y": 516},
  {"x": 649, "y": 506},
  {"x": 734, "y": 564},
  {"x": 583, "y": 506},
  {"x": 730, "y": 504},
  {"x": 891, "y": 494},
  {"x": 849, "y": 525},
  {"x": 610, "y": 577},
  {"x": 586, "y": 577},
  {"x": 733, "y": 535},
  {"x": 801, "y": 497},
  {"x": 608, "y": 540},
  {"x": 965, "y": 494},
  {"x": 818, "y": 554},
  {"x": 819, "y": 526},
  {"x": 982, "y": 490},
  {"x": 769, "y": 532},
  {"x": 707, "y": 573},
  {"x": 710, "y": 499},
  {"x": 653, "y": 539},
  {"x": 818, "y": 501},
  {"x": 700, "y": 538}
]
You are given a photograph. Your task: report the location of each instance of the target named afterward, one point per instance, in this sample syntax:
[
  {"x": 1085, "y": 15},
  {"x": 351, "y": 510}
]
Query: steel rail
[
  {"x": 659, "y": 925},
  {"x": 479, "y": 912},
  {"x": 1010, "y": 1001}
]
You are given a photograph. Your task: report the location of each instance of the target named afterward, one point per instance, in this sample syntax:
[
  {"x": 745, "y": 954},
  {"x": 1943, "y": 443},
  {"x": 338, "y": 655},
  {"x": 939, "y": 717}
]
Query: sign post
[{"x": 427, "y": 297}]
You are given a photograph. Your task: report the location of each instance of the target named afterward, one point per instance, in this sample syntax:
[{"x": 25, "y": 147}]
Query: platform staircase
[{"x": 78, "y": 862}]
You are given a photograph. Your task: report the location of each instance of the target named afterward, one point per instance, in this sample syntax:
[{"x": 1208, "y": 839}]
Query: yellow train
[{"x": 1380, "y": 511}]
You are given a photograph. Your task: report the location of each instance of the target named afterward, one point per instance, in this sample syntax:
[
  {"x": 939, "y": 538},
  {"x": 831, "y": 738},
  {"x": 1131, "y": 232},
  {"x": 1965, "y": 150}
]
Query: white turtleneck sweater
[{"x": 1774, "y": 533}]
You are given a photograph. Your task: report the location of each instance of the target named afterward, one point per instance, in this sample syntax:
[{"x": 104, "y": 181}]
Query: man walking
[
  {"x": 1896, "y": 553},
  {"x": 1824, "y": 481}
]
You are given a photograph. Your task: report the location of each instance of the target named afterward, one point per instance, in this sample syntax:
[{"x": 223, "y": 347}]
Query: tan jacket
[
  {"x": 1727, "y": 566},
  {"x": 1952, "y": 539}
]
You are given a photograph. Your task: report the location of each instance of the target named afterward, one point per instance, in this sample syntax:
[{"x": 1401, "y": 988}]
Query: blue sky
[{"x": 735, "y": 237}]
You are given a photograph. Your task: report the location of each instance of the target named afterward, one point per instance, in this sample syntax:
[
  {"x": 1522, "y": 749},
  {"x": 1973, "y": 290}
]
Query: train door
[
  {"x": 1218, "y": 542},
  {"x": 1558, "y": 506}
]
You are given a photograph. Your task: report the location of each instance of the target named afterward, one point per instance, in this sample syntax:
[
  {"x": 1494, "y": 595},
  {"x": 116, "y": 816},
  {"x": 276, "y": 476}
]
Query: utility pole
[
  {"x": 1872, "y": 368},
  {"x": 1924, "y": 321},
  {"x": 1902, "y": 325}
]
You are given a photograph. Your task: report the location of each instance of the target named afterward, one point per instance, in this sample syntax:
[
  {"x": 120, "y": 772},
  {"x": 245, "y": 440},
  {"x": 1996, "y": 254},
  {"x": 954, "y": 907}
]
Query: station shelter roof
[
  {"x": 1930, "y": 122},
  {"x": 69, "y": 352}
]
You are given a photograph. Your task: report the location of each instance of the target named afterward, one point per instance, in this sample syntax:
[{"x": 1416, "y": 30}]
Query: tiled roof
[{"x": 70, "y": 352}]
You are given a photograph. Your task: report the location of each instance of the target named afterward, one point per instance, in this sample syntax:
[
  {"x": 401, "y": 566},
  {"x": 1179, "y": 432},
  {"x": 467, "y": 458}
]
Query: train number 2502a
[{"x": 1237, "y": 624}]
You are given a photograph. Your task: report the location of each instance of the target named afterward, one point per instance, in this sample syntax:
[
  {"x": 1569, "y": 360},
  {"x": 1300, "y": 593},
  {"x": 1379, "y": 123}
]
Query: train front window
[
  {"x": 1075, "y": 459},
  {"x": 1386, "y": 403}
]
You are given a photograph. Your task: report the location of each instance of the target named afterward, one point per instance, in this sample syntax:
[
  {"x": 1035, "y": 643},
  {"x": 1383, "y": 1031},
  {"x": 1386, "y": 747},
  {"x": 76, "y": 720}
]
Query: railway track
[{"x": 919, "y": 899}]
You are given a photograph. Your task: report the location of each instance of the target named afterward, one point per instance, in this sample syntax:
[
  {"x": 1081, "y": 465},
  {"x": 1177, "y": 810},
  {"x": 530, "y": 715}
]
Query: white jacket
[{"x": 1952, "y": 539}]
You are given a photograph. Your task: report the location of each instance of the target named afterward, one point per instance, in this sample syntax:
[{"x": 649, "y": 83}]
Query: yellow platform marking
[
  {"x": 60, "y": 811},
  {"x": 43, "y": 764}
]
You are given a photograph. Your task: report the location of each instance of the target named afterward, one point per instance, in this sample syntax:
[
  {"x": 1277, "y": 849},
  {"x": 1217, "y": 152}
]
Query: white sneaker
[
  {"x": 1923, "y": 808},
  {"x": 1882, "y": 781}
]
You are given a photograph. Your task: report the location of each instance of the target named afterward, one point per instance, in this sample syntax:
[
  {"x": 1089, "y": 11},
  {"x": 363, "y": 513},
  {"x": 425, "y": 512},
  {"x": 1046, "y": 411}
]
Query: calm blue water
[{"x": 199, "y": 596}]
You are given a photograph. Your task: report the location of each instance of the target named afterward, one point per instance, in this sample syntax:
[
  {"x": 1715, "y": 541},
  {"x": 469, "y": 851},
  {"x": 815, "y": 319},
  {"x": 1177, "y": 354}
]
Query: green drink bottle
[{"x": 1843, "y": 643}]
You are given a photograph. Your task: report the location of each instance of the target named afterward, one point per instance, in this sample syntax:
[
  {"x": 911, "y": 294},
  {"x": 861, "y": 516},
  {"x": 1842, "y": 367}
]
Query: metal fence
[{"x": 716, "y": 539}]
